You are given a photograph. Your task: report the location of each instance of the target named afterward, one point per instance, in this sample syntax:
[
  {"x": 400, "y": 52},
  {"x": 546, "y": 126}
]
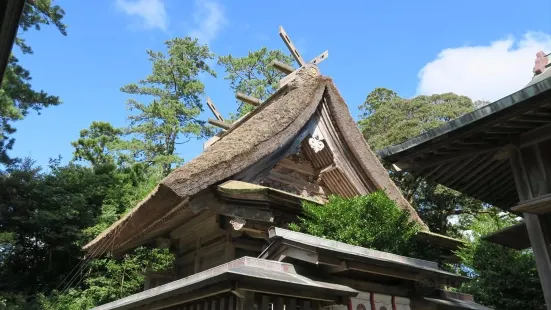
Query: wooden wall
[
  {"x": 255, "y": 302},
  {"x": 208, "y": 240}
]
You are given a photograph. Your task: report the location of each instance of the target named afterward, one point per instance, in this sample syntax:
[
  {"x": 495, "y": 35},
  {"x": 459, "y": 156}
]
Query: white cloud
[
  {"x": 152, "y": 12},
  {"x": 209, "y": 19},
  {"x": 487, "y": 72}
]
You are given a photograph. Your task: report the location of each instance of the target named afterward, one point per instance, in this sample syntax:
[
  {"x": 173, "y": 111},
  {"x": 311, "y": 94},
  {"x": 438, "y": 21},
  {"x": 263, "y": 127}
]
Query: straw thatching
[{"x": 256, "y": 136}]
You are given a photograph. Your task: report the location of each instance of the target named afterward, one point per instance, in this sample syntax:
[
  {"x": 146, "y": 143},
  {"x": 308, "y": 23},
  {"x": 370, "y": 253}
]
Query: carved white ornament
[
  {"x": 316, "y": 141},
  {"x": 238, "y": 222}
]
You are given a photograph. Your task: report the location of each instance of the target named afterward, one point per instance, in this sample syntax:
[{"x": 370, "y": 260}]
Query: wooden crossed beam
[
  {"x": 283, "y": 34},
  {"x": 290, "y": 71}
]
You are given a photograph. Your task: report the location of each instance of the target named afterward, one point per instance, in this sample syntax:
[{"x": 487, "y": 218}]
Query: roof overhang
[
  {"x": 455, "y": 304},
  {"x": 515, "y": 236},
  {"x": 246, "y": 274},
  {"x": 231, "y": 199},
  {"x": 10, "y": 13},
  {"x": 468, "y": 154},
  {"x": 340, "y": 257},
  {"x": 439, "y": 240}
]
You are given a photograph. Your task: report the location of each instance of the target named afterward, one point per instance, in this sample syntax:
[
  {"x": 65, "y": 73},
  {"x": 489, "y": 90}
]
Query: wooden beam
[
  {"x": 466, "y": 173},
  {"x": 367, "y": 286},
  {"x": 539, "y": 205},
  {"x": 455, "y": 173},
  {"x": 291, "y": 46},
  {"x": 214, "y": 290},
  {"x": 519, "y": 124},
  {"x": 534, "y": 223},
  {"x": 193, "y": 224},
  {"x": 484, "y": 176},
  {"x": 538, "y": 135},
  {"x": 329, "y": 168},
  {"x": 248, "y": 99},
  {"x": 321, "y": 57},
  {"x": 304, "y": 167},
  {"x": 503, "y": 130},
  {"x": 246, "y": 212},
  {"x": 423, "y": 164},
  {"x": 274, "y": 289},
  {"x": 289, "y": 180},
  {"x": 220, "y": 124},
  {"x": 249, "y": 244},
  {"x": 213, "y": 109},
  {"x": 283, "y": 67},
  {"x": 404, "y": 274},
  {"x": 534, "y": 118}
]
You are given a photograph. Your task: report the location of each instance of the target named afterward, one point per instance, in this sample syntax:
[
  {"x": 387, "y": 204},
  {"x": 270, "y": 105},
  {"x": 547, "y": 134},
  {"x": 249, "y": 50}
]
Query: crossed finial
[
  {"x": 295, "y": 52},
  {"x": 290, "y": 72}
]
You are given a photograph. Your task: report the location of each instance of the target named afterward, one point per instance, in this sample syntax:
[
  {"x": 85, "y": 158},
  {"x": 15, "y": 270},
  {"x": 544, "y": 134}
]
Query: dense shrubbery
[{"x": 371, "y": 221}]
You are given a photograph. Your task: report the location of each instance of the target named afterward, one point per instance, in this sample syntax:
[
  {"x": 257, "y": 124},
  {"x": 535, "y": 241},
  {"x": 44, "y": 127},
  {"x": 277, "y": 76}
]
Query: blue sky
[{"x": 483, "y": 49}]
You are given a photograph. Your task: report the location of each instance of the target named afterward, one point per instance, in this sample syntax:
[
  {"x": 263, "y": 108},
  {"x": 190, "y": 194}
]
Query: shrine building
[
  {"x": 225, "y": 214},
  {"x": 501, "y": 155}
]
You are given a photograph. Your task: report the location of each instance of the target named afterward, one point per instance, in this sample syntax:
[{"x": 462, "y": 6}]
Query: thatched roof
[{"x": 273, "y": 124}]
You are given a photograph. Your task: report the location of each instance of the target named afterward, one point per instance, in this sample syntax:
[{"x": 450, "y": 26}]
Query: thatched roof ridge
[{"x": 259, "y": 134}]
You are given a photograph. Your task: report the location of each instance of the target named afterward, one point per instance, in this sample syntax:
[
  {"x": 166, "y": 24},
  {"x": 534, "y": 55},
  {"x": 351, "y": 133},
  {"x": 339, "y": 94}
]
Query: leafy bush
[{"x": 371, "y": 221}]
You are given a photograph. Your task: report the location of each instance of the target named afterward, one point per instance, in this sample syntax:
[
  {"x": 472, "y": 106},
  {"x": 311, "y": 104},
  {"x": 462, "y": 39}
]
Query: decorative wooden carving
[
  {"x": 316, "y": 141},
  {"x": 541, "y": 62},
  {"x": 238, "y": 222}
]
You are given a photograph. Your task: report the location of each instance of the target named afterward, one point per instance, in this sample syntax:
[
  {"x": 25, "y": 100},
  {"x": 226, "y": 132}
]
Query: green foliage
[
  {"x": 47, "y": 217},
  {"x": 17, "y": 97},
  {"x": 172, "y": 114},
  {"x": 37, "y": 13},
  {"x": 503, "y": 278},
  {"x": 388, "y": 119},
  {"x": 44, "y": 215},
  {"x": 252, "y": 75},
  {"x": 96, "y": 144},
  {"x": 111, "y": 279},
  {"x": 371, "y": 221}
]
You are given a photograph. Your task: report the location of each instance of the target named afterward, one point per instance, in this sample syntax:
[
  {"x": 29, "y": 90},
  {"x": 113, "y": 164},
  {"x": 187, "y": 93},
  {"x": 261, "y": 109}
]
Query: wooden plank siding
[{"x": 258, "y": 302}]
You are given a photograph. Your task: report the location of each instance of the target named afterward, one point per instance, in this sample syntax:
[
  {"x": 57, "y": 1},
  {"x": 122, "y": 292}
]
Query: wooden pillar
[
  {"x": 246, "y": 301},
  {"x": 532, "y": 178}
]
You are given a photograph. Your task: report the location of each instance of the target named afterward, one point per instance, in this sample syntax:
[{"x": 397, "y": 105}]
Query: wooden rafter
[
  {"x": 321, "y": 57},
  {"x": 248, "y": 99},
  {"x": 283, "y": 67},
  {"x": 212, "y": 107},
  {"x": 219, "y": 123}
]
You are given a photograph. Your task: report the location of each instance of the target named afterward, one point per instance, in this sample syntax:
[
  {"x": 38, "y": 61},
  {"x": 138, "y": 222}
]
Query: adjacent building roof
[
  {"x": 279, "y": 278},
  {"x": 10, "y": 13},
  {"x": 250, "y": 272},
  {"x": 515, "y": 236},
  {"x": 467, "y": 154},
  {"x": 322, "y": 251},
  {"x": 269, "y": 129},
  {"x": 452, "y": 303}
]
